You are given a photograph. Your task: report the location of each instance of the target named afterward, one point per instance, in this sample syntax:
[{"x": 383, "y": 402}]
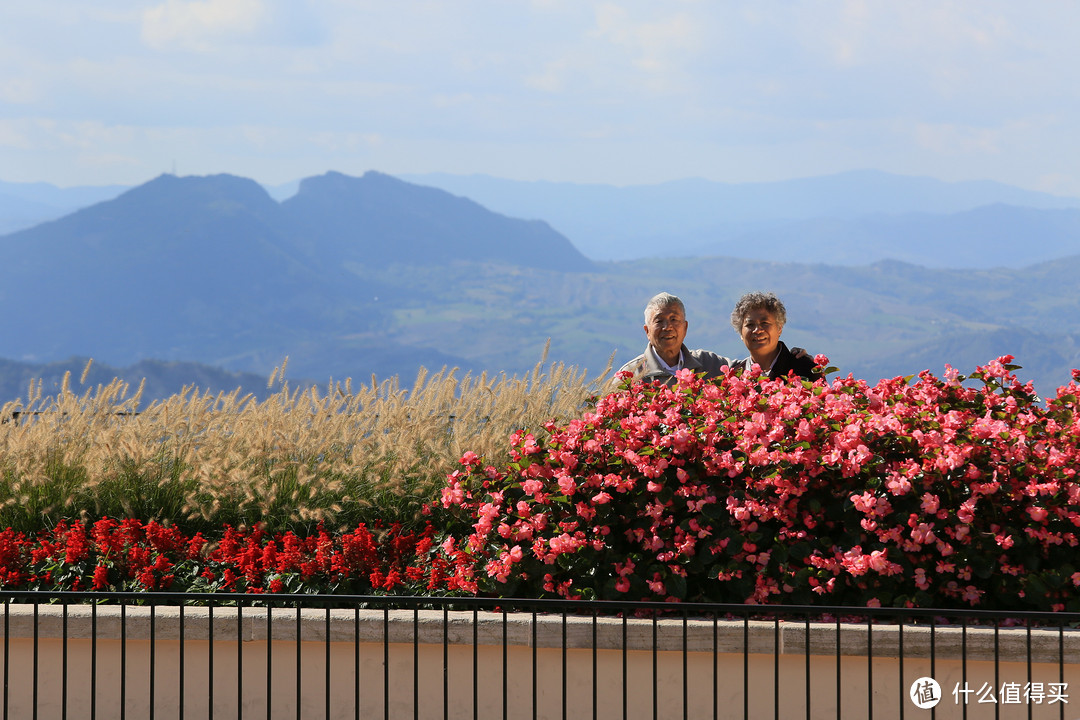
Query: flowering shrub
[
  {"x": 130, "y": 555},
  {"x": 953, "y": 492}
]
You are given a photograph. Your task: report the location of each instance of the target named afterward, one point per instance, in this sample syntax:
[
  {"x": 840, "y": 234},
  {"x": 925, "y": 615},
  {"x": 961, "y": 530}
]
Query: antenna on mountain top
[{"x": 174, "y": 168}]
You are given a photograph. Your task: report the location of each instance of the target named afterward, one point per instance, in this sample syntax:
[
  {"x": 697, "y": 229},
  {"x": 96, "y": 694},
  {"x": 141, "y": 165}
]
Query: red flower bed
[
  {"x": 934, "y": 494},
  {"x": 132, "y": 555}
]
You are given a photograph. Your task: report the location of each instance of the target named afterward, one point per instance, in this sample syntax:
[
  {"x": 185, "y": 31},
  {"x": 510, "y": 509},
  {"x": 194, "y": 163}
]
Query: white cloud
[
  {"x": 13, "y": 135},
  {"x": 655, "y": 44},
  {"x": 196, "y": 24},
  {"x": 287, "y": 87},
  {"x": 19, "y": 90}
]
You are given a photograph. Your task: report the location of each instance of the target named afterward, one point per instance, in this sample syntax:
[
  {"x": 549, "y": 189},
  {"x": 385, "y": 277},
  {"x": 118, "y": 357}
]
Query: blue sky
[{"x": 119, "y": 91}]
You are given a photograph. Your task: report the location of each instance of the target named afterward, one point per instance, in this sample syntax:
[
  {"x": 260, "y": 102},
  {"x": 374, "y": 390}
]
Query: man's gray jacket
[{"x": 646, "y": 368}]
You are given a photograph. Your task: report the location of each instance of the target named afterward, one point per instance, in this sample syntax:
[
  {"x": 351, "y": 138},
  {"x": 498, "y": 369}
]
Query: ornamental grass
[{"x": 340, "y": 455}]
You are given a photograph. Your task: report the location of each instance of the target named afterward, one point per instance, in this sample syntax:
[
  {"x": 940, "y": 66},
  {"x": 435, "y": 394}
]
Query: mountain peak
[
  {"x": 174, "y": 188},
  {"x": 378, "y": 219}
]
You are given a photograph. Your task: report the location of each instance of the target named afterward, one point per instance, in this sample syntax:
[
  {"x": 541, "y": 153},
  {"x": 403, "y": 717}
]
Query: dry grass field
[{"x": 339, "y": 455}]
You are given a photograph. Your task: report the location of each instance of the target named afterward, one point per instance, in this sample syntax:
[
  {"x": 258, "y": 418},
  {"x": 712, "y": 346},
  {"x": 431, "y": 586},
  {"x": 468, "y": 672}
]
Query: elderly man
[{"x": 665, "y": 326}]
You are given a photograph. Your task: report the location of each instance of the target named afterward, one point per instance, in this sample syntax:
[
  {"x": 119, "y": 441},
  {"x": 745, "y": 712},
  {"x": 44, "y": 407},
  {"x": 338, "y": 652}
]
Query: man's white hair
[{"x": 661, "y": 301}]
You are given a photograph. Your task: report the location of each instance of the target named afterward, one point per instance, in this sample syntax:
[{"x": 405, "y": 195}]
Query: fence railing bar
[
  {"x": 64, "y": 668},
  {"x": 153, "y": 645},
  {"x": 595, "y": 678},
  {"x": 505, "y": 673},
  {"x": 997, "y": 670},
  {"x": 535, "y": 688},
  {"x": 210, "y": 661},
  {"x": 1061, "y": 665},
  {"x": 445, "y": 663},
  {"x": 869, "y": 669},
  {"x": 933, "y": 661},
  {"x": 181, "y": 669},
  {"x": 93, "y": 661},
  {"x": 7, "y": 651},
  {"x": 900, "y": 665},
  {"x": 564, "y": 665},
  {"x": 839, "y": 686},
  {"x": 776, "y": 668},
  {"x": 475, "y": 665},
  {"x": 655, "y": 683},
  {"x": 685, "y": 670},
  {"x": 746, "y": 666},
  {"x": 625, "y": 706},
  {"x": 356, "y": 663},
  {"x": 327, "y": 642},
  {"x": 806, "y": 653},
  {"x": 386, "y": 662},
  {"x": 299, "y": 664},
  {"x": 1030, "y": 677},
  {"x": 269, "y": 660},
  {"x": 36, "y": 626},
  {"x": 963, "y": 663},
  {"x": 123, "y": 662},
  {"x": 415, "y": 664},
  {"x": 715, "y": 669},
  {"x": 239, "y": 661}
]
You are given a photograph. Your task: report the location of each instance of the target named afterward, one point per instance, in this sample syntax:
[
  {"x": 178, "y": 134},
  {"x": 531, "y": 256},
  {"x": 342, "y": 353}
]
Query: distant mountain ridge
[
  {"x": 378, "y": 220},
  {"x": 213, "y": 269},
  {"x": 849, "y": 218},
  {"x": 159, "y": 379},
  {"x": 23, "y": 205},
  {"x": 694, "y": 217}
]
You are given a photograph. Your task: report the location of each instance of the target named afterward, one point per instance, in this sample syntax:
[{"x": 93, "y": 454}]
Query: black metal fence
[{"x": 159, "y": 655}]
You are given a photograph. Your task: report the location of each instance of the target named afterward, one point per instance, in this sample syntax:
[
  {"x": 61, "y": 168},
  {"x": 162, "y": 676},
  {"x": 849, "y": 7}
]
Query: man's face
[{"x": 666, "y": 329}]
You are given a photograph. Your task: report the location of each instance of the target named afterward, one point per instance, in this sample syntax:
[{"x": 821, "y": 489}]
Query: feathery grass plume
[
  {"x": 299, "y": 457},
  {"x": 86, "y": 371}
]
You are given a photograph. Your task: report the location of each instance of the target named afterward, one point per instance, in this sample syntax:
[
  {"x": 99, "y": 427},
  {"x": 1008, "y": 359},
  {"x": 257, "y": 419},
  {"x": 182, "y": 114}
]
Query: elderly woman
[{"x": 759, "y": 319}]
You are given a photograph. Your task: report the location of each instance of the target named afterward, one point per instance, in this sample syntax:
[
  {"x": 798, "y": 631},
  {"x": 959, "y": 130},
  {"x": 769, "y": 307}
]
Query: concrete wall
[{"x": 252, "y": 664}]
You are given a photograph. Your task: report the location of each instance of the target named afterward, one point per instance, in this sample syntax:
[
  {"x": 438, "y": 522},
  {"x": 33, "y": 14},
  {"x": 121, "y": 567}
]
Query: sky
[{"x": 621, "y": 93}]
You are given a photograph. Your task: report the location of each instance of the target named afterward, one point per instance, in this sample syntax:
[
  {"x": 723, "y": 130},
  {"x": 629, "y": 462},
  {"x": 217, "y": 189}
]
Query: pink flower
[
  {"x": 930, "y": 503},
  {"x": 923, "y": 534}
]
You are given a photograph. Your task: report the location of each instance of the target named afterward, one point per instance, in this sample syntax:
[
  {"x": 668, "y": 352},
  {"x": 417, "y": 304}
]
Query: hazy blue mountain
[
  {"x": 686, "y": 217},
  {"x": 17, "y": 212},
  {"x": 24, "y": 205},
  {"x": 213, "y": 269},
  {"x": 988, "y": 236},
  {"x": 172, "y": 265},
  {"x": 377, "y": 220},
  {"x": 162, "y": 379}
]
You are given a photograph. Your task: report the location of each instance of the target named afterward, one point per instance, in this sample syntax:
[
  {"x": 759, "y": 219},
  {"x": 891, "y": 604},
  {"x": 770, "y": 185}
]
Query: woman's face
[{"x": 760, "y": 333}]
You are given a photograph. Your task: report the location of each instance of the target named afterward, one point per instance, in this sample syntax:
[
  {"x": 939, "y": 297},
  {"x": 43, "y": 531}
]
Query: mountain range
[
  {"x": 354, "y": 276},
  {"x": 851, "y": 218},
  {"x": 157, "y": 378}
]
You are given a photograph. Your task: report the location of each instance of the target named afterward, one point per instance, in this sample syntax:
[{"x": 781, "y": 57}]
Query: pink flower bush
[{"x": 950, "y": 493}]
